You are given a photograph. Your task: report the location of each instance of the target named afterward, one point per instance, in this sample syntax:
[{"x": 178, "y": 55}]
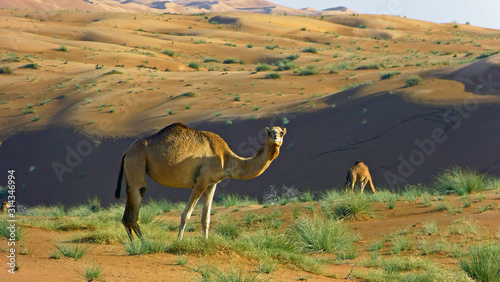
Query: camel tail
[{"x": 120, "y": 177}]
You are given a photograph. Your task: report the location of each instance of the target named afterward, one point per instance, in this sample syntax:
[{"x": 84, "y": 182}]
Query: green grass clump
[
  {"x": 413, "y": 80},
  {"x": 234, "y": 61},
  {"x": 62, "y": 48},
  {"x": 144, "y": 246},
  {"x": 308, "y": 70},
  {"x": 310, "y": 50},
  {"x": 263, "y": 67},
  {"x": 273, "y": 75},
  {"x": 113, "y": 72},
  {"x": 92, "y": 272},
  {"x": 372, "y": 66},
  {"x": 227, "y": 229},
  {"x": 191, "y": 94},
  {"x": 211, "y": 60},
  {"x": 194, "y": 65},
  {"x": 285, "y": 64},
  {"x": 387, "y": 75},
  {"x": 169, "y": 53},
  {"x": 322, "y": 235},
  {"x": 149, "y": 212},
  {"x": 76, "y": 251},
  {"x": 352, "y": 206},
  {"x": 6, "y": 70},
  {"x": 461, "y": 181},
  {"x": 31, "y": 66},
  {"x": 212, "y": 273},
  {"x": 228, "y": 200},
  {"x": 482, "y": 263}
]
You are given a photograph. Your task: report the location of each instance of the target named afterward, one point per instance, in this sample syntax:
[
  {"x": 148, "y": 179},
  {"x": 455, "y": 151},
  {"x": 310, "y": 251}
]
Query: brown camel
[
  {"x": 182, "y": 157},
  {"x": 4, "y": 207},
  {"x": 359, "y": 173}
]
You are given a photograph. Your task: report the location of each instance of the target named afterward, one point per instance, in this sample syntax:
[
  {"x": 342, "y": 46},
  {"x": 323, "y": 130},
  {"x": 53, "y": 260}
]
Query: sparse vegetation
[
  {"x": 234, "y": 61},
  {"x": 5, "y": 70},
  {"x": 308, "y": 70},
  {"x": 388, "y": 75},
  {"x": 273, "y": 75},
  {"x": 191, "y": 94},
  {"x": 413, "y": 80}
]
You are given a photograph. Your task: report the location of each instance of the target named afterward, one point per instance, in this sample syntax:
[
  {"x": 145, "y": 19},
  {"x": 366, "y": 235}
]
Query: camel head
[{"x": 275, "y": 135}]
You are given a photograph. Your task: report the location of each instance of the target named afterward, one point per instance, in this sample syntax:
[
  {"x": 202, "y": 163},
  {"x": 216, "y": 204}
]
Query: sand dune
[{"x": 95, "y": 82}]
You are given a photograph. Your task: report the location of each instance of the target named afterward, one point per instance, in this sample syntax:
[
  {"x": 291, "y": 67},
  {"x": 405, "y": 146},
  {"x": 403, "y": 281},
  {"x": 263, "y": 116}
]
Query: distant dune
[{"x": 173, "y": 7}]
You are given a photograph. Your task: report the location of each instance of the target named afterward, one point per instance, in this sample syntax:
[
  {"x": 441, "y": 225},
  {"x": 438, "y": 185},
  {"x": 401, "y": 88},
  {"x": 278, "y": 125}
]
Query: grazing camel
[
  {"x": 358, "y": 173},
  {"x": 182, "y": 157},
  {"x": 5, "y": 206}
]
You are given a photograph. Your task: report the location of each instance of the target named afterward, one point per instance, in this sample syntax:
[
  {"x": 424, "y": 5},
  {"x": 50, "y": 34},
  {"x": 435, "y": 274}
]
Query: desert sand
[{"x": 82, "y": 85}]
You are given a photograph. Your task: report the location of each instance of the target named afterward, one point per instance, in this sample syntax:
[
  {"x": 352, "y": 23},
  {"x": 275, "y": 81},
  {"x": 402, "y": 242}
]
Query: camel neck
[{"x": 247, "y": 168}]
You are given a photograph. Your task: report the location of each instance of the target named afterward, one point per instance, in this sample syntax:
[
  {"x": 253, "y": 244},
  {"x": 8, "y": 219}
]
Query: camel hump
[{"x": 357, "y": 162}]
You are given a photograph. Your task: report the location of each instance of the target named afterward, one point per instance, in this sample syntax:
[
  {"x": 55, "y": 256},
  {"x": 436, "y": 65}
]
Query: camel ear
[
  {"x": 267, "y": 130},
  {"x": 283, "y": 132}
]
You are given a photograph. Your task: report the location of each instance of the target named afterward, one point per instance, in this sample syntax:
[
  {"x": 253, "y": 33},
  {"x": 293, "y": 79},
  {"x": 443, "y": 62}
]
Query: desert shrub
[
  {"x": 227, "y": 229},
  {"x": 322, "y": 235},
  {"x": 459, "y": 180},
  {"x": 263, "y": 67},
  {"x": 91, "y": 272},
  {"x": 62, "y": 48},
  {"x": 194, "y": 65},
  {"x": 482, "y": 263},
  {"x": 310, "y": 50},
  {"x": 306, "y": 196},
  {"x": 273, "y": 75},
  {"x": 76, "y": 251},
  {"x": 144, "y": 246},
  {"x": 352, "y": 206},
  {"x": 169, "y": 53},
  {"x": 50, "y": 211},
  {"x": 387, "y": 75},
  {"x": 372, "y": 66},
  {"x": 191, "y": 94},
  {"x": 113, "y": 72},
  {"x": 210, "y": 59},
  {"x": 229, "y": 200},
  {"x": 212, "y": 273},
  {"x": 31, "y": 66},
  {"x": 345, "y": 66},
  {"x": 234, "y": 61},
  {"x": 6, "y": 70},
  {"x": 283, "y": 65},
  {"x": 308, "y": 70},
  {"x": 148, "y": 213},
  {"x": 413, "y": 80}
]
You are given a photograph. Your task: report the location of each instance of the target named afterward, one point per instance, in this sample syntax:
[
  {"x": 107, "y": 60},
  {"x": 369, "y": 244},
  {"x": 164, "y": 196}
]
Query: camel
[
  {"x": 182, "y": 157},
  {"x": 359, "y": 173},
  {"x": 4, "y": 207}
]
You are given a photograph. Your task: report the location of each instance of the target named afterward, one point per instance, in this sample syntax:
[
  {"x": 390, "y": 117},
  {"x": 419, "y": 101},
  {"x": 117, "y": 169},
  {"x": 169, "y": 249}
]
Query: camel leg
[
  {"x": 186, "y": 214},
  {"x": 134, "y": 170},
  {"x": 371, "y": 185},
  {"x": 363, "y": 184},
  {"x": 131, "y": 215},
  {"x": 352, "y": 184},
  {"x": 208, "y": 197}
]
